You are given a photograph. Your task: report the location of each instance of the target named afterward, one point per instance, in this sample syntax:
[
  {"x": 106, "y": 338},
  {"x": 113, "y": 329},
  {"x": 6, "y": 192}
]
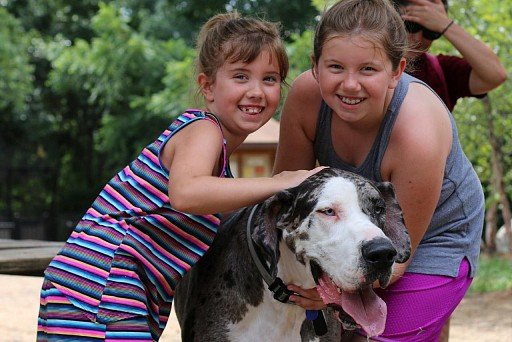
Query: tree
[
  {"x": 107, "y": 85},
  {"x": 16, "y": 75},
  {"x": 484, "y": 125},
  {"x": 88, "y": 78}
]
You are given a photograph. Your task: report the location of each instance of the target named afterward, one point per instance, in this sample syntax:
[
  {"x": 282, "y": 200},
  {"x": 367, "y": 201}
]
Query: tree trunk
[
  {"x": 497, "y": 171},
  {"x": 491, "y": 227}
]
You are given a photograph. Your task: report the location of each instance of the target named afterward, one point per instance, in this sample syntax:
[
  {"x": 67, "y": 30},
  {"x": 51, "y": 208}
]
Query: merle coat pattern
[{"x": 331, "y": 222}]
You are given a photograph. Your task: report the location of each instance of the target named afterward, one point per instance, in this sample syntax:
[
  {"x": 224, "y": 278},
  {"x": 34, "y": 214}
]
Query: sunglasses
[{"x": 413, "y": 27}]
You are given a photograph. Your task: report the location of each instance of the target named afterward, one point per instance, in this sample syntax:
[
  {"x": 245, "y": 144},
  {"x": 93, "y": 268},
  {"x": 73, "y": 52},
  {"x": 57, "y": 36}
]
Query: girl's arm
[
  {"x": 296, "y": 151},
  {"x": 487, "y": 71},
  {"x": 298, "y": 125},
  {"x": 415, "y": 161},
  {"x": 192, "y": 157}
]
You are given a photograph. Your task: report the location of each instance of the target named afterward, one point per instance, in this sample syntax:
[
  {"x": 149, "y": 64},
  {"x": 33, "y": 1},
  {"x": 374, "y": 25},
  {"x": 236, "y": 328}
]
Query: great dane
[{"x": 336, "y": 231}]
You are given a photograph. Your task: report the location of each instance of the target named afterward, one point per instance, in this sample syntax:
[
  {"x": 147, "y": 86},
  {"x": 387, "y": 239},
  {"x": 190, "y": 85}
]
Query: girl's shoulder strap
[
  {"x": 186, "y": 117},
  {"x": 191, "y": 115}
]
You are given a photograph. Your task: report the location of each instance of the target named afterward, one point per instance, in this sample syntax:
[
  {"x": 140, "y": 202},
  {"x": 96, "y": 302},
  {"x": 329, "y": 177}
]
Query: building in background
[{"x": 255, "y": 157}]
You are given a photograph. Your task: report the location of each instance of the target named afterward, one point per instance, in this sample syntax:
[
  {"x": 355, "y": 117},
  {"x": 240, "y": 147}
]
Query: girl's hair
[
  {"x": 231, "y": 38},
  {"x": 376, "y": 20},
  {"x": 400, "y": 3}
]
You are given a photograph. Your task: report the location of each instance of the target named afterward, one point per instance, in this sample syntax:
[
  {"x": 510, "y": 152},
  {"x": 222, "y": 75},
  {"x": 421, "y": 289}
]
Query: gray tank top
[{"x": 456, "y": 227}]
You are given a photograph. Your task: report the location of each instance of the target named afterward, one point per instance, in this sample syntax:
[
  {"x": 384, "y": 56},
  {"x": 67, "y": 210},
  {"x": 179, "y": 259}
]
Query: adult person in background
[
  {"x": 474, "y": 74},
  {"x": 358, "y": 111}
]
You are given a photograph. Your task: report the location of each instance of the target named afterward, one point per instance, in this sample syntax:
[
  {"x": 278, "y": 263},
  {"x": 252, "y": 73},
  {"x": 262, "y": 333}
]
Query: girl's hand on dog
[
  {"x": 290, "y": 179},
  {"x": 309, "y": 299}
]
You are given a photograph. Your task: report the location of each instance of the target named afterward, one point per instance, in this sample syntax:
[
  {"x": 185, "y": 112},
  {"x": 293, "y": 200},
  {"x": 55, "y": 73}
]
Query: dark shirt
[{"x": 456, "y": 72}]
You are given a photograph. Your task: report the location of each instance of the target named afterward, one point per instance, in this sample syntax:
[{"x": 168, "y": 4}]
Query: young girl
[
  {"x": 115, "y": 276},
  {"x": 357, "y": 110}
]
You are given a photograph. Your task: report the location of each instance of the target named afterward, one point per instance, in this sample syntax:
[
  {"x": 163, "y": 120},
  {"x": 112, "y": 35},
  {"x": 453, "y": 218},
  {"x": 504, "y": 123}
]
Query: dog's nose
[{"x": 379, "y": 252}]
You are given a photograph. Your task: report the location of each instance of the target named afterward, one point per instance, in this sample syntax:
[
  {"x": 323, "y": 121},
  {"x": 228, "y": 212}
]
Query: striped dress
[{"x": 130, "y": 249}]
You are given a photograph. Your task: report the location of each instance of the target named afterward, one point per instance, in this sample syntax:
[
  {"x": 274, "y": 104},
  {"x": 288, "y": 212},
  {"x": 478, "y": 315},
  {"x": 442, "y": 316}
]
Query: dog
[{"x": 336, "y": 231}]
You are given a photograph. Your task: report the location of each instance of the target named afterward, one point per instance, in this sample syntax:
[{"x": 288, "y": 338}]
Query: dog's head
[{"x": 349, "y": 230}]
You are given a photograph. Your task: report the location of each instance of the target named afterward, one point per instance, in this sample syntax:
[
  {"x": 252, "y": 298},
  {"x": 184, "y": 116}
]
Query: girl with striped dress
[{"x": 115, "y": 277}]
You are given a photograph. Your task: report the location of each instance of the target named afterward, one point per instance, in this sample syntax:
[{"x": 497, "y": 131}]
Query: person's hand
[
  {"x": 309, "y": 299},
  {"x": 427, "y": 13},
  {"x": 290, "y": 179}
]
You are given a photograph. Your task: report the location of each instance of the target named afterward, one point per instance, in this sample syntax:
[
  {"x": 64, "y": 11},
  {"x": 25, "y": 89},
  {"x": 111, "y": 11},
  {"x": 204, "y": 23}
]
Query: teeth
[
  {"x": 251, "y": 110},
  {"x": 350, "y": 101}
]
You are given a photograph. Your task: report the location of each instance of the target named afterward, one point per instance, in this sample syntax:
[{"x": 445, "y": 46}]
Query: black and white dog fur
[{"x": 335, "y": 225}]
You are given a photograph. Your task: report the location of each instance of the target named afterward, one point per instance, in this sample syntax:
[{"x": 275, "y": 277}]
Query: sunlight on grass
[{"x": 494, "y": 274}]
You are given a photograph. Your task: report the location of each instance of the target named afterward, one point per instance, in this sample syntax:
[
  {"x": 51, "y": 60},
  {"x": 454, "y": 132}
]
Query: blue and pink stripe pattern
[{"x": 130, "y": 249}]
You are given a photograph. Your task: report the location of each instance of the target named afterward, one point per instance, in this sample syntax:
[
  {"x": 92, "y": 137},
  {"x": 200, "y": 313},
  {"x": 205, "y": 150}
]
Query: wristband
[{"x": 447, "y": 27}]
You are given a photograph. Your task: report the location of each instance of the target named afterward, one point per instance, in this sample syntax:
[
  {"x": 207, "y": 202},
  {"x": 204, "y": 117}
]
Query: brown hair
[
  {"x": 376, "y": 20},
  {"x": 229, "y": 37}
]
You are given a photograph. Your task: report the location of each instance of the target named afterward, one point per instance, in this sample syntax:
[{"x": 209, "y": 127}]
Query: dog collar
[{"x": 275, "y": 285}]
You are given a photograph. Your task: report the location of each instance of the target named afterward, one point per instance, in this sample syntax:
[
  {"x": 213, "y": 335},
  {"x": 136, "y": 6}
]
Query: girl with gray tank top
[{"x": 357, "y": 110}]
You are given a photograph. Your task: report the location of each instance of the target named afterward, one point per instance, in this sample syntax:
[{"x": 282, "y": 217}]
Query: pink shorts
[{"x": 420, "y": 304}]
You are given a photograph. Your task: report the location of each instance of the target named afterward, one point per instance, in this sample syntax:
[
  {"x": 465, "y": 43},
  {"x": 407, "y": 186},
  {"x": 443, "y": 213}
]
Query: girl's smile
[
  {"x": 356, "y": 85},
  {"x": 244, "y": 95}
]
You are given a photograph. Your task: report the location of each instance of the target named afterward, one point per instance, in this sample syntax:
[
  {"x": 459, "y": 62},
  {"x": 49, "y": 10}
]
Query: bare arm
[
  {"x": 416, "y": 159},
  {"x": 296, "y": 151},
  {"x": 192, "y": 157},
  {"x": 487, "y": 71},
  {"x": 298, "y": 123}
]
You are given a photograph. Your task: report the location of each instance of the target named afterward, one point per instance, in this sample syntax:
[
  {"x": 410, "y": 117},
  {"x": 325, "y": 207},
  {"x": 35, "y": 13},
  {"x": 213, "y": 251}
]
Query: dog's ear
[
  {"x": 267, "y": 231},
  {"x": 394, "y": 227}
]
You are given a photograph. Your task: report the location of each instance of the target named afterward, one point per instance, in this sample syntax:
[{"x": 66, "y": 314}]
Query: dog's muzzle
[{"x": 361, "y": 308}]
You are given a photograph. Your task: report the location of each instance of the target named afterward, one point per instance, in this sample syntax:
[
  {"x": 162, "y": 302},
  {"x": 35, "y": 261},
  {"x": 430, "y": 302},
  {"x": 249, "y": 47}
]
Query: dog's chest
[{"x": 269, "y": 321}]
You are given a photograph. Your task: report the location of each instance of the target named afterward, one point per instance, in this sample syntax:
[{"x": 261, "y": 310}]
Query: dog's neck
[{"x": 291, "y": 271}]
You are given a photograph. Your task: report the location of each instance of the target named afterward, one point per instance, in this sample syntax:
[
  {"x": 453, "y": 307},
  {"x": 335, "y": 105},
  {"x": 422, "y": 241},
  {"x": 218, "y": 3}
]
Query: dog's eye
[
  {"x": 328, "y": 211},
  {"x": 379, "y": 210}
]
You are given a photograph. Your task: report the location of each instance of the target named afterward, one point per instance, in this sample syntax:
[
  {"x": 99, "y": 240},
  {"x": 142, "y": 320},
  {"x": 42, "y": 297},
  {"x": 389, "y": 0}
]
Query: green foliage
[
  {"x": 299, "y": 50},
  {"x": 117, "y": 75},
  {"x": 68, "y": 19},
  {"x": 15, "y": 71},
  {"x": 16, "y": 77},
  {"x": 295, "y": 16},
  {"x": 179, "y": 89},
  {"x": 93, "y": 82},
  {"x": 494, "y": 274},
  {"x": 322, "y": 5},
  {"x": 299, "y": 53},
  {"x": 487, "y": 21}
]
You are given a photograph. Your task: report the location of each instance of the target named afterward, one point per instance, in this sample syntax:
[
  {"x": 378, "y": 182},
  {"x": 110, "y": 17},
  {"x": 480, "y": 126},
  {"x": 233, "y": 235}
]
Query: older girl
[{"x": 357, "y": 110}]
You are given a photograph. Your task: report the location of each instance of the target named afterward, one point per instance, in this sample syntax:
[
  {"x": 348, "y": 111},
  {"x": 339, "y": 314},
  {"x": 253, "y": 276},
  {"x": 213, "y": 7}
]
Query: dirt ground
[
  {"x": 479, "y": 318},
  {"x": 482, "y": 318}
]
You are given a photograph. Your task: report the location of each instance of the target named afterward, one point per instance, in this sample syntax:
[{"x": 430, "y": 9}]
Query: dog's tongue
[{"x": 365, "y": 307}]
